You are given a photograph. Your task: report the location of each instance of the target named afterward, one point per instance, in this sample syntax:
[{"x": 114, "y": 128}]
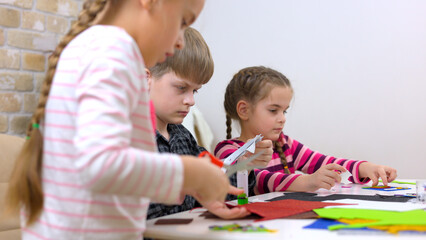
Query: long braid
[
  {"x": 228, "y": 127},
  {"x": 25, "y": 188},
  {"x": 282, "y": 156}
]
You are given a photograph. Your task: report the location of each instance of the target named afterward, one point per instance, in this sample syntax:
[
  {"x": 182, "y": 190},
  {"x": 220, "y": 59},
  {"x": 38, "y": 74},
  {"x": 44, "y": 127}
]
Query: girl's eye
[
  {"x": 272, "y": 110},
  {"x": 195, "y": 91},
  {"x": 285, "y": 112}
]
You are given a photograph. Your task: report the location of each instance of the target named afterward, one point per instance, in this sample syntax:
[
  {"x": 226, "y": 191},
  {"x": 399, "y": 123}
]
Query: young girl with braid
[
  {"x": 258, "y": 97},
  {"x": 89, "y": 167}
]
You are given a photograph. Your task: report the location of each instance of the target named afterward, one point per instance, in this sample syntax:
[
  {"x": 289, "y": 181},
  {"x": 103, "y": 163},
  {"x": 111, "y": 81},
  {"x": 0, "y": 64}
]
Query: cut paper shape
[
  {"x": 393, "y": 229},
  {"x": 323, "y": 223},
  {"x": 283, "y": 208},
  {"x": 384, "y": 218},
  {"x": 241, "y": 228},
  {"x": 345, "y": 177},
  {"x": 401, "y": 182},
  {"x": 386, "y": 188},
  {"x": 173, "y": 221},
  {"x": 248, "y": 146},
  {"x": 384, "y": 206}
]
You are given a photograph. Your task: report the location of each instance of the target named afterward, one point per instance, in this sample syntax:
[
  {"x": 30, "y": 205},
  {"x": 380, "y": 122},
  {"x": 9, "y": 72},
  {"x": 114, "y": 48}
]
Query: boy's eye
[
  {"x": 181, "y": 87},
  {"x": 184, "y": 23}
]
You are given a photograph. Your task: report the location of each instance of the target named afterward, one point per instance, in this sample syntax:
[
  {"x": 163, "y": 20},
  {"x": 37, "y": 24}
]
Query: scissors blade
[{"x": 242, "y": 165}]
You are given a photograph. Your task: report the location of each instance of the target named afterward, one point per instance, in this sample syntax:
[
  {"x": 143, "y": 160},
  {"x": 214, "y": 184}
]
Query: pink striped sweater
[
  {"x": 100, "y": 165},
  {"x": 299, "y": 157}
]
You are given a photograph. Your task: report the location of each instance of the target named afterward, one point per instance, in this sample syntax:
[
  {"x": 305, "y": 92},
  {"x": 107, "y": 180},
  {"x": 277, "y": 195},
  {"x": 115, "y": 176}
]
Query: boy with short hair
[{"x": 172, "y": 85}]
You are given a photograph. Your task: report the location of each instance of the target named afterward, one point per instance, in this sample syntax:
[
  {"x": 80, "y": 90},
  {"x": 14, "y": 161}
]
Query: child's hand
[
  {"x": 209, "y": 185},
  {"x": 221, "y": 210},
  {"x": 265, "y": 157},
  {"x": 325, "y": 177},
  {"x": 204, "y": 180},
  {"x": 374, "y": 171}
]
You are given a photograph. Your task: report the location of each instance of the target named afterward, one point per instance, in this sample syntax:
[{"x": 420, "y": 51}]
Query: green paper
[
  {"x": 401, "y": 182},
  {"x": 414, "y": 217}
]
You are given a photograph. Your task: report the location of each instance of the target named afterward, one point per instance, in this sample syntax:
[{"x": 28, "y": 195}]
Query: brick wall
[{"x": 29, "y": 31}]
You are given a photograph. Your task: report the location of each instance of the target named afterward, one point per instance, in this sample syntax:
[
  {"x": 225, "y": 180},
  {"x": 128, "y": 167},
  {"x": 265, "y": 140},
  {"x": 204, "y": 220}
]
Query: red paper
[{"x": 283, "y": 208}]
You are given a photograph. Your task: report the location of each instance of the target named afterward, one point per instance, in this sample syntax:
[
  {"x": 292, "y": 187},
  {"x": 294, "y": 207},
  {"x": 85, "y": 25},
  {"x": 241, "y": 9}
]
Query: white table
[{"x": 287, "y": 228}]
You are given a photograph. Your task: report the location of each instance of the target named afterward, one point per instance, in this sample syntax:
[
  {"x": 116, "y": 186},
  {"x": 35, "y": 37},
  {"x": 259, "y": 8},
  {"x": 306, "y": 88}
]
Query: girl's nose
[
  {"x": 282, "y": 118},
  {"x": 180, "y": 41}
]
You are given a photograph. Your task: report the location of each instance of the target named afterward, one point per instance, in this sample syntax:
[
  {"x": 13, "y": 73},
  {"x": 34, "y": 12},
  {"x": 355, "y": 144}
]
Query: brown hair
[
  {"x": 194, "y": 62},
  {"x": 25, "y": 185},
  {"x": 252, "y": 84}
]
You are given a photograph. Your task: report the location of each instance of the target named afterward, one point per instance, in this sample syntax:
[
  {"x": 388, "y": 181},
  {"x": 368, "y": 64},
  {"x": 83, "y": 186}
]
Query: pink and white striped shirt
[
  {"x": 298, "y": 156},
  {"x": 100, "y": 165}
]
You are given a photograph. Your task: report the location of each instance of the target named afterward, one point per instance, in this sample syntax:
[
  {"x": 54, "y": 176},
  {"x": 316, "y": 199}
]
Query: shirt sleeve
[
  {"x": 309, "y": 161},
  {"x": 299, "y": 157},
  {"x": 108, "y": 93}
]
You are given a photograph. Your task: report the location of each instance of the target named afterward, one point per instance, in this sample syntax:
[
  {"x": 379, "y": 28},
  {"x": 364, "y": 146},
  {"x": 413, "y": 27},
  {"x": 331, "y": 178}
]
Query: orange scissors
[{"x": 233, "y": 168}]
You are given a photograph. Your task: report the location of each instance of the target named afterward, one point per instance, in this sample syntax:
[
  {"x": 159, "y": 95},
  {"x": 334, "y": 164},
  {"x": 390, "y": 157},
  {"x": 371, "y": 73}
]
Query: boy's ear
[
  {"x": 148, "y": 77},
  {"x": 243, "y": 110}
]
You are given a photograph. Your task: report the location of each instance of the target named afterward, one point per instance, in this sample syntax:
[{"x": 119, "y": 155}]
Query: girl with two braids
[
  {"x": 258, "y": 98},
  {"x": 90, "y": 166}
]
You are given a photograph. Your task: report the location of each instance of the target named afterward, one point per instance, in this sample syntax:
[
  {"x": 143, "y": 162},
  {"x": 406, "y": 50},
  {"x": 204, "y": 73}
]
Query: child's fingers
[
  {"x": 334, "y": 166},
  {"x": 326, "y": 184},
  {"x": 374, "y": 179},
  {"x": 333, "y": 175},
  {"x": 235, "y": 191},
  {"x": 382, "y": 175},
  {"x": 264, "y": 144},
  {"x": 221, "y": 210},
  {"x": 392, "y": 174},
  {"x": 331, "y": 181}
]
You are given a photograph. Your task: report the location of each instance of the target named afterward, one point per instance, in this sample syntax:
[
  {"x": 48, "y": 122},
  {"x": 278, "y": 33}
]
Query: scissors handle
[{"x": 213, "y": 159}]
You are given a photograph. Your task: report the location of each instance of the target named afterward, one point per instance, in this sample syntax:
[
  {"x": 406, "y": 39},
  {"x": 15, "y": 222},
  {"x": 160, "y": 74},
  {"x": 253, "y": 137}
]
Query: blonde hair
[
  {"x": 252, "y": 84},
  {"x": 194, "y": 62},
  {"x": 25, "y": 185}
]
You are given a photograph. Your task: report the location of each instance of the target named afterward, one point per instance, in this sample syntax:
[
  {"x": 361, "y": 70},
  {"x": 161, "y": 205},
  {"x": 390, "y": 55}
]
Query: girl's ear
[{"x": 243, "y": 110}]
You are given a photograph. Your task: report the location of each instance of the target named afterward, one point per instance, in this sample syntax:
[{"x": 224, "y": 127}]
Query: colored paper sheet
[
  {"x": 321, "y": 223},
  {"x": 325, "y": 223},
  {"x": 386, "y": 188},
  {"x": 400, "y": 182},
  {"x": 385, "y": 206},
  {"x": 393, "y": 229},
  {"x": 384, "y": 218},
  {"x": 313, "y": 197},
  {"x": 283, "y": 208}
]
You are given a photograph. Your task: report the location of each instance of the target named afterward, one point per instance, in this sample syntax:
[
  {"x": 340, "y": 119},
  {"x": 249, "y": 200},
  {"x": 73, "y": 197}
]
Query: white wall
[{"x": 358, "y": 68}]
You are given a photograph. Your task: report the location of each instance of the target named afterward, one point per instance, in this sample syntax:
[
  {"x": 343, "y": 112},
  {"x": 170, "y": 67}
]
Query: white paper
[
  {"x": 242, "y": 181},
  {"x": 248, "y": 146},
  {"x": 345, "y": 177}
]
